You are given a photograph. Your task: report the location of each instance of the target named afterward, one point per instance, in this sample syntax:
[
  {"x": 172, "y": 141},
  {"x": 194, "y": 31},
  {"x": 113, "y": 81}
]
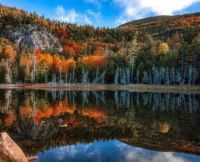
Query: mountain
[
  {"x": 166, "y": 25},
  {"x": 158, "y": 26}
]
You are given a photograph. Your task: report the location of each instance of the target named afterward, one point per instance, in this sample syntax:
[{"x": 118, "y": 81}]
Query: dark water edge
[{"x": 40, "y": 121}]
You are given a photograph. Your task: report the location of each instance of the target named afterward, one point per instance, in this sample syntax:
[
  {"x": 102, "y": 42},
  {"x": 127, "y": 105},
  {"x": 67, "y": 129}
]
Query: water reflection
[
  {"x": 40, "y": 120},
  {"x": 114, "y": 150}
]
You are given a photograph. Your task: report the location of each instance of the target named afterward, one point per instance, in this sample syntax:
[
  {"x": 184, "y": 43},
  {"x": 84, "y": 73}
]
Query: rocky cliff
[{"x": 34, "y": 37}]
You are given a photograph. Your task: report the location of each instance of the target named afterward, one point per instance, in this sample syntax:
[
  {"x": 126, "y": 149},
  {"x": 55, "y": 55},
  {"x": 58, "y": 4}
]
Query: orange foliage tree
[
  {"x": 9, "y": 53},
  {"x": 94, "y": 61},
  {"x": 26, "y": 64},
  {"x": 7, "y": 57},
  {"x": 42, "y": 63},
  {"x": 63, "y": 65},
  {"x": 70, "y": 48},
  {"x": 44, "y": 60}
]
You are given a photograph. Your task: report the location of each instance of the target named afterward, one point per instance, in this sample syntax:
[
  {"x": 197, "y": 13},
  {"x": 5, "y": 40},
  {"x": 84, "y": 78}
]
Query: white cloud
[
  {"x": 72, "y": 16},
  {"x": 166, "y": 6},
  {"x": 143, "y": 155},
  {"x": 135, "y": 9}
]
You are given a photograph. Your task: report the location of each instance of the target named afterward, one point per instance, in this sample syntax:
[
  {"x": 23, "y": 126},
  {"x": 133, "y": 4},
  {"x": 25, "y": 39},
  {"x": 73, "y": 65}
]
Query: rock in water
[{"x": 9, "y": 150}]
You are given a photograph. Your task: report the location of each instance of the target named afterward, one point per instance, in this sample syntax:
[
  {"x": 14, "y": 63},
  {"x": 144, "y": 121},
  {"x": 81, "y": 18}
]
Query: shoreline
[{"x": 104, "y": 87}]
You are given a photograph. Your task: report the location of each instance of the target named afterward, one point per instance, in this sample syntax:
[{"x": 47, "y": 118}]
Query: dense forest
[{"x": 158, "y": 50}]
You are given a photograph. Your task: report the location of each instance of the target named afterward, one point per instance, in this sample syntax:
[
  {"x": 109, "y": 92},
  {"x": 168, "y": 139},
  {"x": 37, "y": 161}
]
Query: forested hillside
[
  {"x": 166, "y": 26},
  {"x": 159, "y": 50}
]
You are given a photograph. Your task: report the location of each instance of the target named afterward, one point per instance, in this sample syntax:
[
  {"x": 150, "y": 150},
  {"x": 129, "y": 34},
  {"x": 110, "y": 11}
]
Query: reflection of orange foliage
[
  {"x": 25, "y": 112},
  {"x": 56, "y": 110},
  {"x": 45, "y": 113},
  {"x": 10, "y": 118},
  {"x": 63, "y": 107},
  {"x": 94, "y": 113},
  {"x": 178, "y": 45},
  {"x": 190, "y": 147},
  {"x": 94, "y": 61}
]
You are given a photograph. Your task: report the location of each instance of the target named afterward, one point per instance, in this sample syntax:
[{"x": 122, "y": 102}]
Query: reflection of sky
[{"x": 111, "y": 151}]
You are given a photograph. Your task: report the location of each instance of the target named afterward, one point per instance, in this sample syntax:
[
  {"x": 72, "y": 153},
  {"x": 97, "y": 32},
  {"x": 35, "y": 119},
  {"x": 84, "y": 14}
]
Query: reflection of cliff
[{"x": 40, "y": 120}]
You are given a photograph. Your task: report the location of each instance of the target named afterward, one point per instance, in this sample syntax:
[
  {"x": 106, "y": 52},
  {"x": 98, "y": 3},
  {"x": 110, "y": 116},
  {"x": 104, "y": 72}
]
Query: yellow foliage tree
[{"x": 163, "y": 48}]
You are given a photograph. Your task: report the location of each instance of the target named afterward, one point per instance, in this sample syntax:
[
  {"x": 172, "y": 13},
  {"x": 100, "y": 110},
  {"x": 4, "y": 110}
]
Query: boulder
[{"x": 9, "y": 150}]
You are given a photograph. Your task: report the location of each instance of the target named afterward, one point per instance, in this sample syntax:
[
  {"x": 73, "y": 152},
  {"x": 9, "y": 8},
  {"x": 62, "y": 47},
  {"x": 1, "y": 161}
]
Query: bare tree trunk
[
  {"x": 8, "y": 75},
  {"x": 33, "y": 69}
]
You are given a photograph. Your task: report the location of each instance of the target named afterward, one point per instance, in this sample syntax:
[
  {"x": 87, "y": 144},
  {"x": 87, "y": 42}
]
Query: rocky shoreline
[{"x": 10, "y": 151}]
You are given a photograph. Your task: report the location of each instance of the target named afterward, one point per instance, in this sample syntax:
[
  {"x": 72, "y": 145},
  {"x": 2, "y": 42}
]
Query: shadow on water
[{"x": 52, "y": 124}]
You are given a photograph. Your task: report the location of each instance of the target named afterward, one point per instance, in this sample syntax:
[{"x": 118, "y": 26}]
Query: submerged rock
[{"x": 9, "y": 150}]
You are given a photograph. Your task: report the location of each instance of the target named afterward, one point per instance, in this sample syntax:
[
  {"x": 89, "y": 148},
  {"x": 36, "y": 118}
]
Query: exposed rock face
[
  {"x": 35, "y": 38},
  {"x": 9, "y": 150}
]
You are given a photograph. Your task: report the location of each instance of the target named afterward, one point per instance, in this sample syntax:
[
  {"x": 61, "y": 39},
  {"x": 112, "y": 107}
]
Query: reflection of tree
[
  {"x": 49, "y": 119},
  {"x": 8, "y": 97},
  {"x": 40, "y": 132}
]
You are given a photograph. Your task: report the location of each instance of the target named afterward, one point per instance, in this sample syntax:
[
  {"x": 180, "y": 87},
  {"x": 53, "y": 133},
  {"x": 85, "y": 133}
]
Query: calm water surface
[{"x": 103, "y": 126}]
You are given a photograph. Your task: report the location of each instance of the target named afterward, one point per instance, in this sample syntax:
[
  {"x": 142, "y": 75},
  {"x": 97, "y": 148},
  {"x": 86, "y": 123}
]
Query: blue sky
[{"x": 108, "y": 13}]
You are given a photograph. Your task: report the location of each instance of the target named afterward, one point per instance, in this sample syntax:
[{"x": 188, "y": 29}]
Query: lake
[{"x": 103, "y": 126}]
